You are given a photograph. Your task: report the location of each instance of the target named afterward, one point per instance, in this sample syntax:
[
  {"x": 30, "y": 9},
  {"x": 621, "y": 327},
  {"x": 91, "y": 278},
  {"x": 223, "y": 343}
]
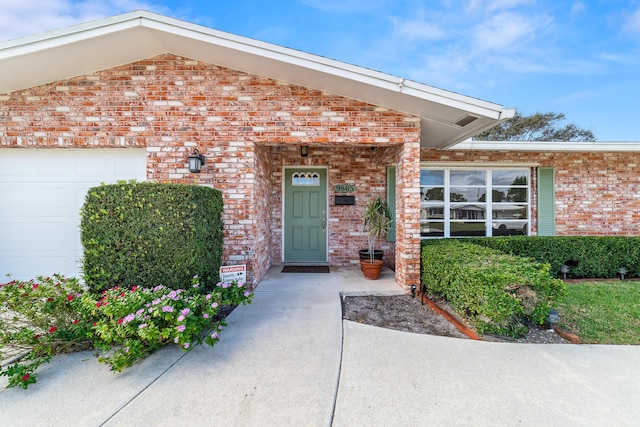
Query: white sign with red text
[{"x": 233, "y": 273}]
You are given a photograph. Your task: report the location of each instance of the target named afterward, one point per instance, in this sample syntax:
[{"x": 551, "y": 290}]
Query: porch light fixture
[
  {"x": 196, "y": 160},
  {"x": 304, "y": 151}
]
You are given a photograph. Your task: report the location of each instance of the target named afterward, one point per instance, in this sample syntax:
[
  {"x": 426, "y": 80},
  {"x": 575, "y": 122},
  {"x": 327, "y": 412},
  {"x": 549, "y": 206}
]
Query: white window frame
[{"x": 488, "y": 220}]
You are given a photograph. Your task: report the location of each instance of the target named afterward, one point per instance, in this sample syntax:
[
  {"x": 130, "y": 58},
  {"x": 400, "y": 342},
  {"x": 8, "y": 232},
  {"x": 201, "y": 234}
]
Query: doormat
[{"x": 305, "y": 269}]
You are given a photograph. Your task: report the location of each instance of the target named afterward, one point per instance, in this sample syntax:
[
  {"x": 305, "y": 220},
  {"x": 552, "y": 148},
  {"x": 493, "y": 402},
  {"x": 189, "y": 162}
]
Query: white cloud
[
  {"x": 26, "y": 17},
  {"x": 632, "y": 22},
  {"x": 417, "y": 30},
  {"x": 577, "y": 8},
  {"x": 480, "y": 6},
  {"x": 345, "y": 5},
  {"x": 506, "y": 29}
]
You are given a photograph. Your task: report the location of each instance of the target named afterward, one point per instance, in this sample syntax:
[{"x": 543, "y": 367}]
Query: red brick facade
[{"x": 249, "y": 128}]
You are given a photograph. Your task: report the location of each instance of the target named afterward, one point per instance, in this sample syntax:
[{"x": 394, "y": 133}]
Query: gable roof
[{"x": 446, "y": 117}]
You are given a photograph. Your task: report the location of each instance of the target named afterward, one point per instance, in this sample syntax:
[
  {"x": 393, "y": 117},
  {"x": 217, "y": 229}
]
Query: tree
[{"x": 536, "y": 127}]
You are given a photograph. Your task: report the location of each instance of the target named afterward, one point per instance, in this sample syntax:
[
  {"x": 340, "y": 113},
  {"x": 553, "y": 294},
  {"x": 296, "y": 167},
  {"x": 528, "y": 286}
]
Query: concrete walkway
[{"x": 288, "y": 360}]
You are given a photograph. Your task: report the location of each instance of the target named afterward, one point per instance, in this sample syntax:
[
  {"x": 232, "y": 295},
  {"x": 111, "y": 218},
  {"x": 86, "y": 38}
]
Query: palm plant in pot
[{"x": 377, "y": 219}]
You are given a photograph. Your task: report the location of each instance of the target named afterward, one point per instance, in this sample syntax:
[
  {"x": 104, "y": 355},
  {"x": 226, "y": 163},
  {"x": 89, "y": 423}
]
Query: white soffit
[
  {"x": 545, "y": 146},
  {"x": 102, "y": 44}
]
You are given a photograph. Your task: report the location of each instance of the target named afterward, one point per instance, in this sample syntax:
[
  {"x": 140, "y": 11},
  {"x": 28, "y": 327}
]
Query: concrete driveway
[{"x": 289, "y": 360}]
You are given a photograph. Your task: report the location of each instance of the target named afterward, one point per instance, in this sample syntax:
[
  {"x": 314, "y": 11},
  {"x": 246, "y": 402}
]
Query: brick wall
[
  {"x": 360, "y": 166},
  {"x": 408, "y": 220},
  {"x": 171, "y": 105},
  {"x": 597, "y": 193}
]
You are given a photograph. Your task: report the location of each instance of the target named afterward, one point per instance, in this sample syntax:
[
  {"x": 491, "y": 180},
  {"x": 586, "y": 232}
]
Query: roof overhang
[
  {"x": 447, "y": 118},
  {"x": 545, "y": 146}
]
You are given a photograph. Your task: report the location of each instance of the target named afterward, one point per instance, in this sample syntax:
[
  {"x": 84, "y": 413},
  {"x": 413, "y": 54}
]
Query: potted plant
[{"x": 377, "y": 219}]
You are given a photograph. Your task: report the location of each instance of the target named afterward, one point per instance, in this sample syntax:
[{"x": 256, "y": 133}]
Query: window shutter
[
  {"x": 391, "y": 201},
  {"x": 546, "y": 202}
]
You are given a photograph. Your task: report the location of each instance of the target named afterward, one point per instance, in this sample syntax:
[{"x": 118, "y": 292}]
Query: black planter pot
[{"x": 364, "y": 254}]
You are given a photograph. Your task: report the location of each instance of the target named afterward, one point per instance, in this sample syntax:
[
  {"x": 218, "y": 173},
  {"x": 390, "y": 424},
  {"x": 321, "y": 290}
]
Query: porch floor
[{"x": 346, "y": 280}]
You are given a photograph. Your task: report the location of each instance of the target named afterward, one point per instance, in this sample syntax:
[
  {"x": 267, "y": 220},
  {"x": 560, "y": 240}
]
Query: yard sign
[{"x": 233, "y": 273}]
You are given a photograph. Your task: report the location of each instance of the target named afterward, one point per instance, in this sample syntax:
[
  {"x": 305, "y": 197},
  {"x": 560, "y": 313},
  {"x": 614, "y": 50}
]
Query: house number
[{"x": 344, "y": 188}]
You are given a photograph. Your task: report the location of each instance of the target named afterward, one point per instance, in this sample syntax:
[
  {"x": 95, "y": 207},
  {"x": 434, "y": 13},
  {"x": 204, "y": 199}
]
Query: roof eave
[
  {"x": 32, "y": 61},
  {"x": 546, "y": 146}
]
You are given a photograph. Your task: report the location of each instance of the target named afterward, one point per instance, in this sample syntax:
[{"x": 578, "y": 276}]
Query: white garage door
[{"x": 41, "y": 193}]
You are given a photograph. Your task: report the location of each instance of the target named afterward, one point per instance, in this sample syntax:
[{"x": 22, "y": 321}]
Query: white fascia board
[
  {"x": 80, "y": 32},
  {"x": 338, "y": 69},
  {"x": 545, "y": 146},
  {"x": 452, "y": 99},
  {"x": 285, "y": 55},
  {"x": 325, "y": 65}
]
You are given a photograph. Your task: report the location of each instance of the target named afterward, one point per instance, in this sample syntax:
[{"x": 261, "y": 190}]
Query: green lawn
[{"x": 605, "y": 312}]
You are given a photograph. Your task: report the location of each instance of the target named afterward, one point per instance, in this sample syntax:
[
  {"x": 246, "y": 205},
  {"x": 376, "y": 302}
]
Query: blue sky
[{"x": 581, "y": 58}]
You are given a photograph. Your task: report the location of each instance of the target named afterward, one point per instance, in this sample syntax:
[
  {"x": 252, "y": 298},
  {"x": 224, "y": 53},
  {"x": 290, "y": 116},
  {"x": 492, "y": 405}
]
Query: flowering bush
[
  {"x": 37, "y": 320},
  {"x": 127, "y": 325}
]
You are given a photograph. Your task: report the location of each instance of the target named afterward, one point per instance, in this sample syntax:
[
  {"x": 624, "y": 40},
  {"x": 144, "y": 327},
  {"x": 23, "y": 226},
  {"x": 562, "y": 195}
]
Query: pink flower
[
  {"x": 181, "y": 328},
  {"x": 247, "y": 293},
  {"x": 52, "y": 329},
  {"x": 134, "y": 288},
  {"x": 167, "y": 309},
  {"x": 75, "y": 322},
  {"x": 186, "y": 345},
  {"x": 25, "y": 378},
  {"x": 120, "y": 321},
  {"x": 206, "y": 316},
  {"x": 35, "y": 286},
  {"x": 214, "y": 335},
  {"x": 70, "y": 297},
  {"x": 214, "y": 305},
  {"x": 142, "y": 326}
]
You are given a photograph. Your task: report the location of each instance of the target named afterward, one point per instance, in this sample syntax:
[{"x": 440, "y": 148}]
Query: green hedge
[
  {"x": 498, "y": 292},
  {"x": 149, "y": 234},
  {"x": 588, "y": 256}
]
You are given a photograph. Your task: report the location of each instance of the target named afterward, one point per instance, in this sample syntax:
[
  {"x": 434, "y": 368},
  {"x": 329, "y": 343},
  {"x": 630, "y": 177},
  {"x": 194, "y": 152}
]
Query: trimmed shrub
[
  {"x": 498, "y": 292},
  {"x": 596, "y": 257},
  {"x": 149, "y": 234}
]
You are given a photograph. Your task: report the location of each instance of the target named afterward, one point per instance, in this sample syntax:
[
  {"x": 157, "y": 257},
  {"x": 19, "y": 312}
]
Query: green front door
[{"x": 305, "y": 215}]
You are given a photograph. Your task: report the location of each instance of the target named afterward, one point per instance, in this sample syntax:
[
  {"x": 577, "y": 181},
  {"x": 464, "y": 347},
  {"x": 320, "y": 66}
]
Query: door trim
[{"x": 282, "y": 211}]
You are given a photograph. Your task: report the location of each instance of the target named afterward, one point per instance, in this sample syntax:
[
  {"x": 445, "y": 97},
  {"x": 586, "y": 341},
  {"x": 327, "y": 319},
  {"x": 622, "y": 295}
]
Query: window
[
  {"x": 471, "y": 202},
  {"x": 306, "y": 178}
]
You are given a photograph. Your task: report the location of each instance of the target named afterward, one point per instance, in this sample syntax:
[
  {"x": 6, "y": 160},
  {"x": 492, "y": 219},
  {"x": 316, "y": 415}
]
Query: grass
[{"x": 602, "y": 312}]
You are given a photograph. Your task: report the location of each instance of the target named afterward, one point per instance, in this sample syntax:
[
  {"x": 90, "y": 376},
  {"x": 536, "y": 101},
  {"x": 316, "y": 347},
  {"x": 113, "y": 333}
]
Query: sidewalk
[{"x": 288, "y": 360}]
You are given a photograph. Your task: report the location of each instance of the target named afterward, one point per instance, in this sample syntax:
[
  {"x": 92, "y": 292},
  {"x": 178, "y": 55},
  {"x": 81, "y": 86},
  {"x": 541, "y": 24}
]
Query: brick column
[{"x": 408, "y": 214}]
